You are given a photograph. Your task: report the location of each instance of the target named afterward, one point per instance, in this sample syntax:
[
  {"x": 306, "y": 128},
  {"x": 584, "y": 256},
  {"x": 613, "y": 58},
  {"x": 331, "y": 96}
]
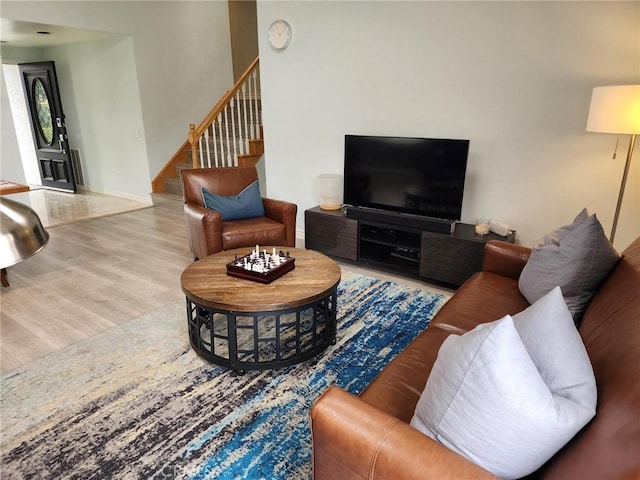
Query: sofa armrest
[
  {"x": 204, "y": 230},
  {"x": 504, "y": 258},
  {"x": 285, "y": 213},
  {"x": 355, "y": 440}
]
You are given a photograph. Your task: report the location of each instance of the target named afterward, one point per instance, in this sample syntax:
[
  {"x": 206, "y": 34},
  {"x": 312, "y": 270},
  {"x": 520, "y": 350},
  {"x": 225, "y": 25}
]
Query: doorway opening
[{"x": 20, "y": 115}]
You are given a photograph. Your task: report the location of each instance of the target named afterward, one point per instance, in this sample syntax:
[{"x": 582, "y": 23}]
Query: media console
[
  {"x": 401, "y": 219},
  {"x": 446, "y": 258}
]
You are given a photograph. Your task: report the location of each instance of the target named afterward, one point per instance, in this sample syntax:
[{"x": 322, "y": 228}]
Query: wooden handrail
[
  {"x": 215, "y": 111},
  {"x": 195, "y": 132}
]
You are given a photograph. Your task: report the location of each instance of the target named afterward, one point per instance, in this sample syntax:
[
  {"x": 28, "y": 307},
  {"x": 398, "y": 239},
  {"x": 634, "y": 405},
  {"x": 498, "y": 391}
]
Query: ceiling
[{"x": 25, "y": 34}]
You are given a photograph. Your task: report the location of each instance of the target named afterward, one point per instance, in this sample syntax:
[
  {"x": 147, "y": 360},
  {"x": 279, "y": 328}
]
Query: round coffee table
[{"x": 246, "y": 325}]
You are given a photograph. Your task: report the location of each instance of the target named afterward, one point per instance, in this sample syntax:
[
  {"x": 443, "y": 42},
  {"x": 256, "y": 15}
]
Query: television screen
[{"x": 421, "y": 176}]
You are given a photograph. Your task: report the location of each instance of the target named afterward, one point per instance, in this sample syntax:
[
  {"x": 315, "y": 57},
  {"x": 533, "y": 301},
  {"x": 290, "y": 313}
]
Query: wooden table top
[
  {"x": 7, "y": 188},
  {"x": 207, "y": 284}
]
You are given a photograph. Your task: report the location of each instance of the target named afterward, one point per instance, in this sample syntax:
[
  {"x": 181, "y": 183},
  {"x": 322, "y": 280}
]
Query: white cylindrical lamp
[{"x": 330, "y": 191}]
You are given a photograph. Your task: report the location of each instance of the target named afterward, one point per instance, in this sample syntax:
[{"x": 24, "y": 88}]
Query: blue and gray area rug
[{"x": 137, "y": 403}]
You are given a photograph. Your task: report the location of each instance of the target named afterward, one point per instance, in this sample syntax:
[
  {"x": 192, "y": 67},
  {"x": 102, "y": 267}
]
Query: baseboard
[{"x": 114, "y": 193}]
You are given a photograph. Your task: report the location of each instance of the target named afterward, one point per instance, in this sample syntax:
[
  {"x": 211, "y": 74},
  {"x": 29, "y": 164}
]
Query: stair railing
[{"x": 226, "y": 131}]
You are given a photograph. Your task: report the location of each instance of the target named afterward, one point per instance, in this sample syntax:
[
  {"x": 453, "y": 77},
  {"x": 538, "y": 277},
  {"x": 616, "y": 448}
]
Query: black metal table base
[{"x": 262, "y": 340}]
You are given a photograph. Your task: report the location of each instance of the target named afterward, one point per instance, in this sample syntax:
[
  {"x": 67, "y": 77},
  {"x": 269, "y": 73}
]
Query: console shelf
[
  {"x": 448, "y": 259},
  {"x": 380, "y": 245}
]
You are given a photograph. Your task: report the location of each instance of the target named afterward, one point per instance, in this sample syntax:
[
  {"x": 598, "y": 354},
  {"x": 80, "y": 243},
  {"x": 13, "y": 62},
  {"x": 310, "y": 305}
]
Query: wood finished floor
[
  {"x": 96, "y": 274},
  {"x": 92, "y": 276}
]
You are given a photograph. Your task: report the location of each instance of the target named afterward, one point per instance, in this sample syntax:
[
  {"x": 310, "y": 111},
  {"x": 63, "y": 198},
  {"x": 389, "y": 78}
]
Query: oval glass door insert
[{"x": 43, "y": 110}]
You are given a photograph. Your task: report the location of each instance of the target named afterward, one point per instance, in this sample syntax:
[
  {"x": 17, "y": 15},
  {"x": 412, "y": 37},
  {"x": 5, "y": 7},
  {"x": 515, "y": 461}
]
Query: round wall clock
[{"x": 279, "y": 35}]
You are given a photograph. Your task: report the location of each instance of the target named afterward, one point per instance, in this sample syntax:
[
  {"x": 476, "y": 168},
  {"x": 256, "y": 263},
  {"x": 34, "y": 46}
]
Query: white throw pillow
[{"x": 509, "y": 394}]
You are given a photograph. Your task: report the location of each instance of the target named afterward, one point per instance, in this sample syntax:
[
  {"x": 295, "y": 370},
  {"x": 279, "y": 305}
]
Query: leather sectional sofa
[{"x": 369, "y": 436}]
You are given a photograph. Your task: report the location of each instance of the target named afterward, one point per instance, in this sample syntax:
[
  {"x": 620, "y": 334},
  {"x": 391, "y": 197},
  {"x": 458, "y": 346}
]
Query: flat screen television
[{"x": 418, "y": 176}]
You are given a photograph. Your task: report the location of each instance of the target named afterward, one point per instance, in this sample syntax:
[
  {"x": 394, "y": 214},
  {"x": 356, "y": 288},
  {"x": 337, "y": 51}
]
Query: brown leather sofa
[
  {"x": 369, "y": 437},
  {"x": 206, "y": 231}
]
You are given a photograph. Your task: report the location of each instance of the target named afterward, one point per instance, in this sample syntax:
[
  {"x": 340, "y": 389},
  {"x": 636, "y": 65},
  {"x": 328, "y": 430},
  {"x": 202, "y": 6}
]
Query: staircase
[{"x": 231, "y": 135}]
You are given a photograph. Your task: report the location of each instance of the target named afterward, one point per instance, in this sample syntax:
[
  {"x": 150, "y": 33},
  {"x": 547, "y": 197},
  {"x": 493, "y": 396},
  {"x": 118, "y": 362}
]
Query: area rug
[{"x": 136, "y": 402}]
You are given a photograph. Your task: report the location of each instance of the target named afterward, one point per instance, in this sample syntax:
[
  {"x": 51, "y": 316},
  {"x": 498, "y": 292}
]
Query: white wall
[
  {"x": 16, "y": 143},
  {"x": 180, "y": 54},
  {"x": 11, "y": 166},
  {"x": 104, "y": 113},
  {"x": 513, "y": 77}
]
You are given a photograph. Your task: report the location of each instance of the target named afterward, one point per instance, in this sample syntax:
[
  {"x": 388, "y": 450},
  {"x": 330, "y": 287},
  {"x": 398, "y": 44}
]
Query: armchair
[{"x": 208, "y": 233}]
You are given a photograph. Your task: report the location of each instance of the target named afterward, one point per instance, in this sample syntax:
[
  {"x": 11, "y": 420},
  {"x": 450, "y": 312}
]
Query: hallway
[{"x": 58, "y": 208}]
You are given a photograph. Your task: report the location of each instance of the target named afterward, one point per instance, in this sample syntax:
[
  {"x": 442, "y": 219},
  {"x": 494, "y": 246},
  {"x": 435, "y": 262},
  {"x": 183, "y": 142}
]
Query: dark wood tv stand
[{"x": 448, "y": 259}]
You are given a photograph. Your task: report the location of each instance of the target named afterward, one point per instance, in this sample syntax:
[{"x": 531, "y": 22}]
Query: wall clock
[{"x": 279, "y": 35}]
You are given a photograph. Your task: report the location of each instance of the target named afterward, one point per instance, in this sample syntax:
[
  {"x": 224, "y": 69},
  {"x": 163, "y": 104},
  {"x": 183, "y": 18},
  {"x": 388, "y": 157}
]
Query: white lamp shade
[{"x": 615, "y": 109}]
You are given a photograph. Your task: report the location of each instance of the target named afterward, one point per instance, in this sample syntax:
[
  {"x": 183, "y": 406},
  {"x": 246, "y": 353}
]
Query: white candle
[{"x": 482, "y": 226}]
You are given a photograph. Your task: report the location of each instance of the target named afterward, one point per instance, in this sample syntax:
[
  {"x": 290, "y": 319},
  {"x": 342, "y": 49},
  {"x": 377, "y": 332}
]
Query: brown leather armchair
[{"x": 206, "y": 231}]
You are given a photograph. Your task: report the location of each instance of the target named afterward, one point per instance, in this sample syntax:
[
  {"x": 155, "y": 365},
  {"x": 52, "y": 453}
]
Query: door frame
[{"x": 53, "y": 154}]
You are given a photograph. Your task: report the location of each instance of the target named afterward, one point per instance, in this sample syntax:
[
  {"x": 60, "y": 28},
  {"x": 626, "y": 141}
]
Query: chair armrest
[
  {"x": 204, "y": 230},
  {"x": 504, "y": 258},
  {"x": 355, "y": 440},
  {"x": 285, "y": 213}
]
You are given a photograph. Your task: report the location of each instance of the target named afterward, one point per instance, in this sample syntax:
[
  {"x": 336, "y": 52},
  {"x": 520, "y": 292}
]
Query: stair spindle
[
  {"x": 241, "y": 150},
  {"x": 252, "y": 94},
  {"x": 214, "y": 140},
  {"x": 234, "y": 145},
  {"x": 255, "y": 100},
  {"x": 220, "y": 162},
  {"x": 206, "y": 143},
  {"x": 226, "y": 126},
  {"x": 246, "y": 123}
]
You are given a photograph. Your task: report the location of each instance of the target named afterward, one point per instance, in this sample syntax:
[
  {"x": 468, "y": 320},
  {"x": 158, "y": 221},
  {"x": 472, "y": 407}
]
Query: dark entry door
[{"x": 47, "y": 125}]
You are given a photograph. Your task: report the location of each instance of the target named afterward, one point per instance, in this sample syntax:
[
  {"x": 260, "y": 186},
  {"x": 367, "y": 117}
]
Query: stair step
[
  {"x": 168, "y": 201},
  {"x": 256, "y": 146},
  {"x": 183, "y": 166},
  {"x": 173, "y": 186},
  {"x": 249, "y": 160}
]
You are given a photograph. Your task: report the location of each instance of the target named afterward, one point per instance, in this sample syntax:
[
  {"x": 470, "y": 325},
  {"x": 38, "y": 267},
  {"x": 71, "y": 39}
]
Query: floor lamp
[{"x": 616, "y": 109}]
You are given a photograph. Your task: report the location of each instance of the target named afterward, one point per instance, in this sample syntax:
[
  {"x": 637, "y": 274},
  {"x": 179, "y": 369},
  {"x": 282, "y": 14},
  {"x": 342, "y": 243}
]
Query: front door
[{"x": 47, "y": 125}]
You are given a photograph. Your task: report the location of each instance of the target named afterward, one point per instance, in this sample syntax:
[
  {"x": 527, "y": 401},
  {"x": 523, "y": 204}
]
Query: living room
[{"x": 515, "y": 78}]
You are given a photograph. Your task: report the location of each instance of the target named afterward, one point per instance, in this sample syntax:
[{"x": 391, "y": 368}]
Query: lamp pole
[{"x": 632, "y": 143}]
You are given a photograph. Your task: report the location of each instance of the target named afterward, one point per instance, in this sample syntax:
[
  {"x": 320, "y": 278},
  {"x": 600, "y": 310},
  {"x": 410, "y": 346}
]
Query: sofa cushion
[
  {"x": 509, "y": 394},
  {"x": 246, "y": 204},
  {"x": 252, "y": 231},
  {"x": 481, "y": 299},
  {"x": 577, "y": 257}
]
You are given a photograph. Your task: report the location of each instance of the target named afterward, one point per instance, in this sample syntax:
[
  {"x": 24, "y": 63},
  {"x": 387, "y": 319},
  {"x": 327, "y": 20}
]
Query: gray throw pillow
[
  {"x": 509, "y": 394},
  {"x": 576, "y": 257}
]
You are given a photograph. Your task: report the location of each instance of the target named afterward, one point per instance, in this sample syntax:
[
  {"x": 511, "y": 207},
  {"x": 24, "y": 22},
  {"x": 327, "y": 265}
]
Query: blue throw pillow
[{"x": 246, "y": 204}]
